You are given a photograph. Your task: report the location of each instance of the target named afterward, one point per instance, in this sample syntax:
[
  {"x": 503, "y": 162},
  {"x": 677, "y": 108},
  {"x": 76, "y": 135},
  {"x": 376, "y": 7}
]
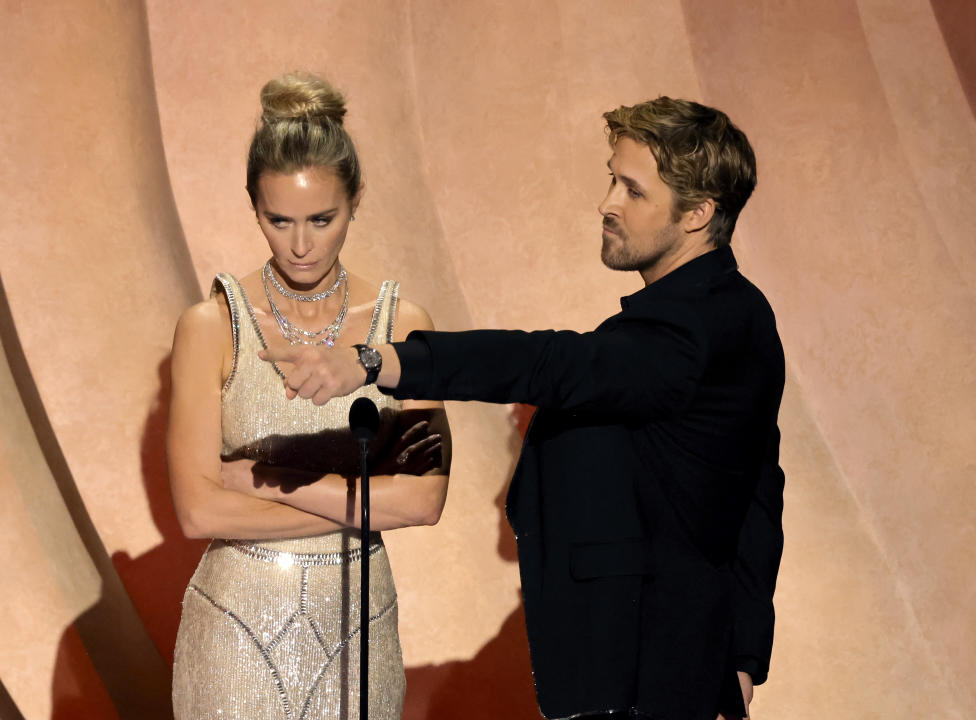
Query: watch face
[{"x": 370, "y": 358}]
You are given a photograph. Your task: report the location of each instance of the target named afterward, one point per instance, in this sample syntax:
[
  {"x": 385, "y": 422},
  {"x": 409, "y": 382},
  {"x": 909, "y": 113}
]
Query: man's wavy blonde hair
[{"x": 700, "y": 155}]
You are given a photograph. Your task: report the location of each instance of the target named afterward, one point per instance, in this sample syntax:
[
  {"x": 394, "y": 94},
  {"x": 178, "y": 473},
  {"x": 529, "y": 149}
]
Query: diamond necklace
[
  {"x": 295, "y": 335},
  {"x": 267, "y": 273}
]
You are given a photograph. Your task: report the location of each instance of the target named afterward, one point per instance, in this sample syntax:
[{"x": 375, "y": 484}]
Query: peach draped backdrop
[{"x": 123, "y": 136}]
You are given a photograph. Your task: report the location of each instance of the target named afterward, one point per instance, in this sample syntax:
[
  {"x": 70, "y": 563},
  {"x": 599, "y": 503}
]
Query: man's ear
[{"x": 699, "y": 216}]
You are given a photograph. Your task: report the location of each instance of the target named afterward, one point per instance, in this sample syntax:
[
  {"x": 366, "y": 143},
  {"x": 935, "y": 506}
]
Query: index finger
[{"x": 280, "y": 354}]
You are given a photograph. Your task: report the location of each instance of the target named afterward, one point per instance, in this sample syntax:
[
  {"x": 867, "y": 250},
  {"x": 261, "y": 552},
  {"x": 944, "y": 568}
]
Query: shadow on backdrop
[
  {"x": 957, "y": 22},
  {"x": 155, "y": 581},
  {"x": 105, "y": 659},
  {"x": 8, "y": 708}
]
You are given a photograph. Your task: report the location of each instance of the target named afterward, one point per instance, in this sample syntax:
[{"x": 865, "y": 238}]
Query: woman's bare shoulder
[
  {"x": 209, "y": 315},
  {"x": 204, "y": 324}
]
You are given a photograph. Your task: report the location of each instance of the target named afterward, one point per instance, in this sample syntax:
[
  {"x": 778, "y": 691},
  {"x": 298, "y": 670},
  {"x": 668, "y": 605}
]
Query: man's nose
[{"x": 609, "y": 204}]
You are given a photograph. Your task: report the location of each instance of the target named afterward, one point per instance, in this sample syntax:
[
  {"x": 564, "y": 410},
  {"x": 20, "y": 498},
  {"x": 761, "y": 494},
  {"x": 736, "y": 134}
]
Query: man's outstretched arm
[{"x": 637, "y": 370}]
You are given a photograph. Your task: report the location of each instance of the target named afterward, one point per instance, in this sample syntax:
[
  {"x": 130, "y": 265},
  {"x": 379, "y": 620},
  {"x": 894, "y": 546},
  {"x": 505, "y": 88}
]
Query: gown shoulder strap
[
  {"x": 228, "y": 285},
  {"x": 381, "y": 325}
]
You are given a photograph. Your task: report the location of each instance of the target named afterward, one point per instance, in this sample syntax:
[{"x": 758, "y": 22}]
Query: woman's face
[{"x": 304, "y": 217}]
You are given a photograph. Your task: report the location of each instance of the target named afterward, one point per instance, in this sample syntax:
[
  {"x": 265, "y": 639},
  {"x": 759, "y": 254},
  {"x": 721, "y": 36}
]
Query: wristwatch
[{"x": 371, "y": 360}]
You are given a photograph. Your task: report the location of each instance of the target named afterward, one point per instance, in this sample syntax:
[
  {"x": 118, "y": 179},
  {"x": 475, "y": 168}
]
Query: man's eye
[
  {"x": 278, "y": 222},
  {"x": 634, "y": 194}
]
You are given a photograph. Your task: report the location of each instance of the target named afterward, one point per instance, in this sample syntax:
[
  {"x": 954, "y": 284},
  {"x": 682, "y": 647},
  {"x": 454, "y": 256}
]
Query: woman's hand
[{"x": 416, "y": 452}]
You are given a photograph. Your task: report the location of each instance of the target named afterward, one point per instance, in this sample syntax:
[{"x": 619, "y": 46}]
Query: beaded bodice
[{"x": 260, "y": 423}]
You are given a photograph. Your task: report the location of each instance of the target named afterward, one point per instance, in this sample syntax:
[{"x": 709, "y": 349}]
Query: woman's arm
[
  {"x": 200, "y": 361},
  {"x": 396, "y": 499}
]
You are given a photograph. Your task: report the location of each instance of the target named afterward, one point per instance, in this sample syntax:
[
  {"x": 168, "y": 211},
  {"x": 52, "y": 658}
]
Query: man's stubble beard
[
  {"x": 615, "y": 258},
  {"x": 624, "y": 258}
]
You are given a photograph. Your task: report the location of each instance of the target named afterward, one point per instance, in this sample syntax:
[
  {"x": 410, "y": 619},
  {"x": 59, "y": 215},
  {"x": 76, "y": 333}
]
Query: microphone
[{"x": 364, "y": 419}]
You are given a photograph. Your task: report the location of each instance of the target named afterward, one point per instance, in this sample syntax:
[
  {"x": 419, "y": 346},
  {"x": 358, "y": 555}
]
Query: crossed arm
[{"x": 242, "y": 499}]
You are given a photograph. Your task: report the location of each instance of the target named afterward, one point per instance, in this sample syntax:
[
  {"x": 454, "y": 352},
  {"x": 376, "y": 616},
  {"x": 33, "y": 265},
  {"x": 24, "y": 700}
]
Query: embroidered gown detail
[{"x": 270, "y": 628}]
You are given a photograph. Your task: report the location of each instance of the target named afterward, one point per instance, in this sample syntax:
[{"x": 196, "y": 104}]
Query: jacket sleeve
[
  {"x": 636, "y": 370},
  {"x": 756, "y": 567}
]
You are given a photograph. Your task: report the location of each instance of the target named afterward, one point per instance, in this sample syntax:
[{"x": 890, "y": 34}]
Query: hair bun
[{"x": 301, "y": 96}]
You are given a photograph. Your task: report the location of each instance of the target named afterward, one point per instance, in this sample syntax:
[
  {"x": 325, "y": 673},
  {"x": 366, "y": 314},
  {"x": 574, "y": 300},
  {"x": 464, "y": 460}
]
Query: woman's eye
[
  {"x": 321, "y": 221},
  {"x": 278, "y": 222}
]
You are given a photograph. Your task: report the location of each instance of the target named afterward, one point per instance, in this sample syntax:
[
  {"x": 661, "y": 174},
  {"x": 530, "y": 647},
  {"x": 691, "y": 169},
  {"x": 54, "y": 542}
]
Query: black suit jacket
[{"x": 647, "y": 501}]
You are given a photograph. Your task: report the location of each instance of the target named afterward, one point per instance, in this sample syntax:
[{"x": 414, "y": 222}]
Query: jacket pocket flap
[{"x": 610, "y": 558}]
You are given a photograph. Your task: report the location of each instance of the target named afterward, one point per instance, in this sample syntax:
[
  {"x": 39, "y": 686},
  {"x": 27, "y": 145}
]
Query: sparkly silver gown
[{"x": 270, "y": 628}]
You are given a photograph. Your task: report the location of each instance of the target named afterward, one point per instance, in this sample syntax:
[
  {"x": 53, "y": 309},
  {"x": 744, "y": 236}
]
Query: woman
[{"x": 271, "y": 616}]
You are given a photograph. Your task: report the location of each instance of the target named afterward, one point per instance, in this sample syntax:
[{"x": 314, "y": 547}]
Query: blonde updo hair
[{"x": 301, "y": 127}]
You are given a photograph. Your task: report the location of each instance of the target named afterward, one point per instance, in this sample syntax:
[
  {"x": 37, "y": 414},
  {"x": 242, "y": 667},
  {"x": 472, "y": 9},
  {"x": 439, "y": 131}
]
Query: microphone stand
[
  {"x": 364, "y": 421},
  {"x": 364, "y": 585}
]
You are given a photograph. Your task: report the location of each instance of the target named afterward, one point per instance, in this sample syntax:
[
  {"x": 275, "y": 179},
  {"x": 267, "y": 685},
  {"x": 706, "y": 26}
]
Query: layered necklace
[{"x": 291, "y": 332}]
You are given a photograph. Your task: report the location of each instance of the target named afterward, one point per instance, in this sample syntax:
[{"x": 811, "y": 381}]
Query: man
[{"x": 647, "y": 501}]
